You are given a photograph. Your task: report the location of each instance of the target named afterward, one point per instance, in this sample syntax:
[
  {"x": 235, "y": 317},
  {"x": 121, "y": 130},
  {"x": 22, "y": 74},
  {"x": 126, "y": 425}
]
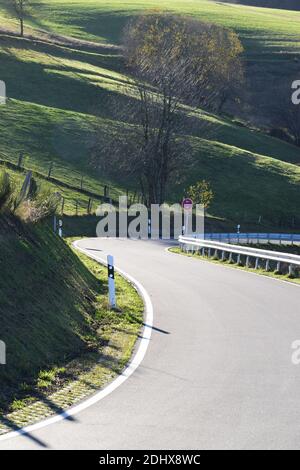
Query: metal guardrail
[
  {"x": 254, "y": 237},
  {"x": 206, "y": 246}
]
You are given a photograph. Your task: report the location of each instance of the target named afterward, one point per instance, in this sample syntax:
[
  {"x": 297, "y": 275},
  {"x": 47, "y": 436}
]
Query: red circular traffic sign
[{"x": 187, "y": 204}]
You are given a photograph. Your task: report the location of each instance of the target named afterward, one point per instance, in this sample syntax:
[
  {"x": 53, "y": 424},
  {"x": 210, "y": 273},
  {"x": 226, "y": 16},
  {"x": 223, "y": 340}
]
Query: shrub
[
  {"x": 6, "y": 189},
  {"x": 43, "y": 204},
  {"x": 280, "y": 134}
]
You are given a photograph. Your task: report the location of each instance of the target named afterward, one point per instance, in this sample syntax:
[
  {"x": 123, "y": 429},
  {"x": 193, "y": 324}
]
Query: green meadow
[
  {"x": 101, "y": 21},
  {"x": 58, "y": 94}
]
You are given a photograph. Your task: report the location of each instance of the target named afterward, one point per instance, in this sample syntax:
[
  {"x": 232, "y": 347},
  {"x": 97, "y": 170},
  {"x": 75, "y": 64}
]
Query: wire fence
[{"x": 90, "y": 191}]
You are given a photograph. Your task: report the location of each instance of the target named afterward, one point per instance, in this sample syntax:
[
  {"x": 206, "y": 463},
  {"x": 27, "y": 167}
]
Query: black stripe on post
[{"x": 111, "y": 271}]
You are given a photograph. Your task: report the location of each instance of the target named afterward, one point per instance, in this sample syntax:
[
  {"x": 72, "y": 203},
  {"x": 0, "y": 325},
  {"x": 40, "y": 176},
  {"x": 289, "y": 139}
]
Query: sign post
[
  {"x": 187, "y": 205},
  {"x": 111, "y": 281}
]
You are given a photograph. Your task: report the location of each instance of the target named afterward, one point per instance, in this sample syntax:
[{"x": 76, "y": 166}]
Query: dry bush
[{"x": 43, "y": 205}]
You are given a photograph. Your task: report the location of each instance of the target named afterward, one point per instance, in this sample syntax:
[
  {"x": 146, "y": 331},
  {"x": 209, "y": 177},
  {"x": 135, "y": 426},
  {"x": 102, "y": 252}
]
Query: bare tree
[
  {"x": 175, "y": 63},
  {"x": 20, "y": 8}
]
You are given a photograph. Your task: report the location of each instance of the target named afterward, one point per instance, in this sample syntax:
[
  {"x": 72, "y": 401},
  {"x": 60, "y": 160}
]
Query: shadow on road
[{"x": 13, "y": 427}]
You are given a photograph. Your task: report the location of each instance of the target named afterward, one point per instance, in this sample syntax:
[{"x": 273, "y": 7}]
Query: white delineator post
[
  {"x": 2, "y": 93},
  {"x": 60, "y": 232},
  {"x": 2, "y": 353},
  {"x": 111, "y": 281}
]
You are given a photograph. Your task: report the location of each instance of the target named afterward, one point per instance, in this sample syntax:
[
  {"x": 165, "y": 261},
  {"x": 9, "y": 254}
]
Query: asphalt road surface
[{"x": 217, "y": 373}]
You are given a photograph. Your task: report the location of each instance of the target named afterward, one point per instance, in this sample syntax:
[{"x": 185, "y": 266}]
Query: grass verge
[{"x": 84, "y": 348}]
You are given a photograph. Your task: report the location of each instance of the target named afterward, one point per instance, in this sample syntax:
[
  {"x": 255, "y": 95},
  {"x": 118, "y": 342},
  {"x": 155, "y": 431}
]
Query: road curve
[{"x": 217, "y": 374}]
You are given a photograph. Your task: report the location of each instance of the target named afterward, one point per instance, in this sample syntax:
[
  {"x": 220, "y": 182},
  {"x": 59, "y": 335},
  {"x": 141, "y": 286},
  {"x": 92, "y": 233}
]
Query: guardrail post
[
  {"x": 230, "y": 257},
  {"x": 216, "y": 254},
  {"x": 223, "y": 256},
  {"x": 257, "y": 263},
  {"x": 203, "y": 251},
  {"x": 239, "y": 259},
  {"x": 278, "y": 266},
  {"x": 267, "y": 265},
  {"x": 291, "y": 270},
  {"x": 209, "y": 252},
  {"x": 247, "y": 262}
]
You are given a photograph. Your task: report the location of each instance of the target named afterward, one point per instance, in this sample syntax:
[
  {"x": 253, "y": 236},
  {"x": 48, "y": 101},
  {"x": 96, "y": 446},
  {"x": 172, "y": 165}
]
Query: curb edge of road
[{"x": 133, "y": 364}]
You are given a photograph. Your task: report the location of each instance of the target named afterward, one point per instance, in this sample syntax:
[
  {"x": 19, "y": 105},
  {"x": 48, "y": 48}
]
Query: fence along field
[{"x": 85, "y": 198}]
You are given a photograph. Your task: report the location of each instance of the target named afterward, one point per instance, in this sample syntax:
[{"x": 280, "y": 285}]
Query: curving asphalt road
[{"x": 217, "y": 374}]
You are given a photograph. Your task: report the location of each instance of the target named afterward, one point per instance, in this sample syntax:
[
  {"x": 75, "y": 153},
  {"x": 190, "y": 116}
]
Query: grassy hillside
[
  {"x": 53, "y": 309},
  {"x": 58, "y": 94},
  {"x": 248, "y": 186},
  {"x": 286, "y": 4},
  {"x": 100, "y": 20}
]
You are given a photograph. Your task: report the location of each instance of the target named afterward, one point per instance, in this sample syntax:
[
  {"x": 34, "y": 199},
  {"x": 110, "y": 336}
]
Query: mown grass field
[{"x": 57, "y": 95}]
